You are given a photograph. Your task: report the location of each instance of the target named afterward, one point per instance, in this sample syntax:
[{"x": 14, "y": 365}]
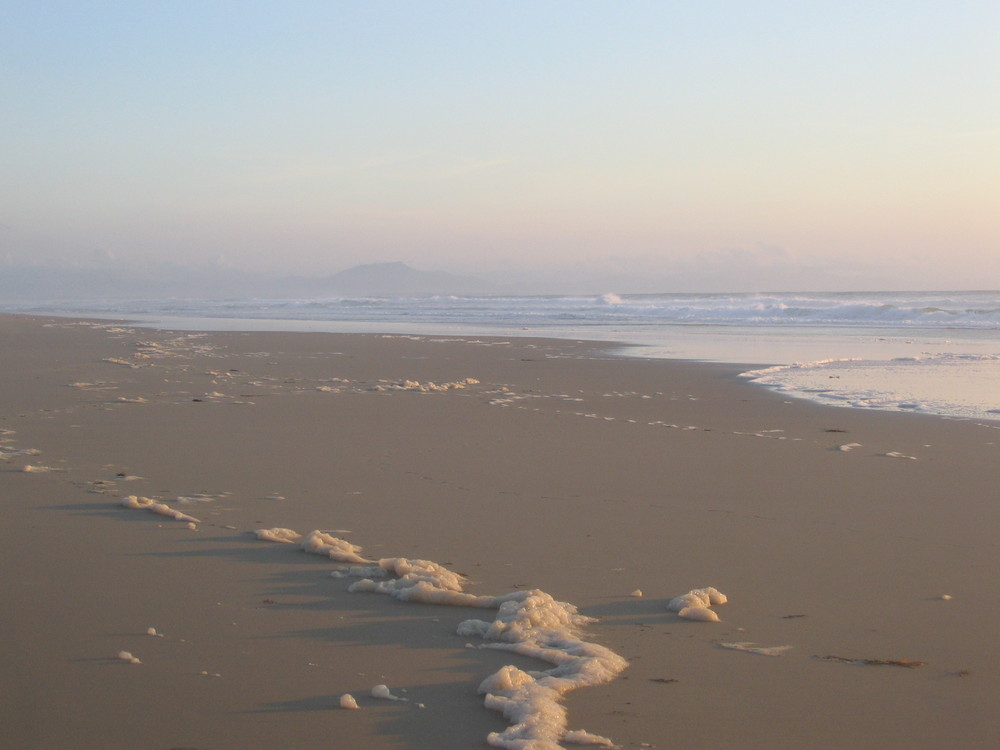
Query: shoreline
[
  {"x": 665, "y": 475},
  {"x": 904, "y": 370}
]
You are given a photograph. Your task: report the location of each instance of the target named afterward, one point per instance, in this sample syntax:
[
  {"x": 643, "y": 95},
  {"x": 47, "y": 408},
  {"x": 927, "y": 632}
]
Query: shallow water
[{"x": 931, "y": 352}]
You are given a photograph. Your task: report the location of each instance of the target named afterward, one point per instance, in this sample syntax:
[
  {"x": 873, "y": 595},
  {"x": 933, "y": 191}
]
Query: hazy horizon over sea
[{"x": 930, "y": 352}]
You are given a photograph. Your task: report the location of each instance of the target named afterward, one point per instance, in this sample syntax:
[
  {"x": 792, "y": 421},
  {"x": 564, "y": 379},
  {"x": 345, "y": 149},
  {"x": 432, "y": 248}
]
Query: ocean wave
[{"x": 972, "y": 310}]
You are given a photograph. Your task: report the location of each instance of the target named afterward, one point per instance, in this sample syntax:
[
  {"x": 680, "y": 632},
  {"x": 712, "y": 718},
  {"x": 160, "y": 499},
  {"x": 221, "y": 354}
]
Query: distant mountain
[{"x": 395, "y": 280}]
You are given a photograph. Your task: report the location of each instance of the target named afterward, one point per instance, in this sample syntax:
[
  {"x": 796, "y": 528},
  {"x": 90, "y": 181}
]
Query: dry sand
[{"x": 564, "y": 469}]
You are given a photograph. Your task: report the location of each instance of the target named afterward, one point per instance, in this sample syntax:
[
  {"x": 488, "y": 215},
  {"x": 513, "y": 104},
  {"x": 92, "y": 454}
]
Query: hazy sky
[{"x": 714, "y": 138}]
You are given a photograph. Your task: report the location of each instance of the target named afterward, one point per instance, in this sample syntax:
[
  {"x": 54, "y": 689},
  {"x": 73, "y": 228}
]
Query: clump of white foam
[
  {"x": 418, "y": 581},
  {"x": 381, "y": 691},
  {"x": 340, "y": 550},
  {"x": 521, "y": 615},
  {"x": 416, "y": 385},
  {"x": 347, "y": 701},
  {"x": 152, "y": 632},
  {"x": 532, "y": 701},
  {"x": 698, "y": 614},
  {"x": 285, "y": 536},
  {"x": 848, "y": 447},
  {"x": 694, "y": 605},
  {"x": 127, "y": 656},
  {"x": 528, "y": 623},
  {"x": 161, "y": 509}
]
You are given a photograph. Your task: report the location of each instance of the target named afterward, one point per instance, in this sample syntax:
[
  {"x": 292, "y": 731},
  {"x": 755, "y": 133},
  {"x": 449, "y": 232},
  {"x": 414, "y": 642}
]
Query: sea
[{"x": 928, "y": 352}]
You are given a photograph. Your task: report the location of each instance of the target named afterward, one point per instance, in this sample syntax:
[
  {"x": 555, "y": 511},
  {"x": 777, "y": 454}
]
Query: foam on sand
[
  {"x": 694, "y": 605},
  {"x": 416, "y": 385},
  {"x": 382, "y": 692},
  {"x": 347, "y": 701},
  {"x": 127, "y": 656},
  {"x": 161, "y": 509},
  {"x": 533, "y": 624},
  {"x": 847, "y": 447},
  {"x": 286, "y": 536},
  {"x": 120, "y": 361},
  {"x": 99, "y": 386},
  {"x": 529, "y": 623},
  {"x": 418, "y": 581},
  {"x": 7, "y": 453},
  {"x": 338, "y": 550}
]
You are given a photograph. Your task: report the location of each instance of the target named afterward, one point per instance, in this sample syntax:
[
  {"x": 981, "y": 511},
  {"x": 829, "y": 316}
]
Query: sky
[{"x": 799, "y": 144}]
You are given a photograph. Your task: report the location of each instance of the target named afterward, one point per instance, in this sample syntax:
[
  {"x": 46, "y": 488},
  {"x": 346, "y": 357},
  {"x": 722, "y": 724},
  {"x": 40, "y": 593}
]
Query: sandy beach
[{"x": 864, "y": 542}]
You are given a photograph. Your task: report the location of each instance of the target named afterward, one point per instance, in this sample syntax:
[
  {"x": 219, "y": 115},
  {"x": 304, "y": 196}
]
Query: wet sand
[{"x": 564, "y": 468}]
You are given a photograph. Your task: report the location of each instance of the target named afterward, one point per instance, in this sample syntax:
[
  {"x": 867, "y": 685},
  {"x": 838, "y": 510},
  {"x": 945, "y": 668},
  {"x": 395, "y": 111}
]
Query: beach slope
[{"x": 857, "y": 549}]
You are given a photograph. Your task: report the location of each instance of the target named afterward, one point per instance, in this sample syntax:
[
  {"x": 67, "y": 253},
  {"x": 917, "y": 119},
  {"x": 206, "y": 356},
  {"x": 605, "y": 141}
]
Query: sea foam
[
  {"x": 694, "y": 605},
  {"x": 161, "y": 509},
  {"x": 347, "y": 701},
  {"x": 339, "y": 550},
  {"x": 529, "y": 623},
  {"x": 127, "y": 656},
  {"x": 949, "y": 383},
  {"x": 286, "y": 536}
]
